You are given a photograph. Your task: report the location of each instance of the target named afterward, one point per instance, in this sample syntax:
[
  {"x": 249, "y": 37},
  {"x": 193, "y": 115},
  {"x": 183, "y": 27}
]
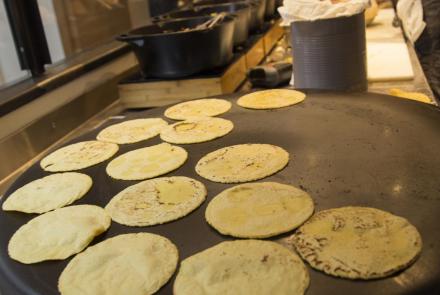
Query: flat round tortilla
[
  {"x": 244, "y": 266},
  {"x": 78, "y": 156},
  {"x": 207, "y": 107},
  {"x": 271, "y": 99},
  {"x": 135, "y": 264},
  {"x": 196, "y": 130},
  {"x": 242, "y": 163},
  {"x": 49, "y": 193},
  {"x": 132, "y": 131},
  {"x": 156, "y": 201},
  {"x": 147, "y": 162},
  {"x": 358, "y": 242},
  {"x": 259, "y": 210},
  {"x": 58, "y": 234}
]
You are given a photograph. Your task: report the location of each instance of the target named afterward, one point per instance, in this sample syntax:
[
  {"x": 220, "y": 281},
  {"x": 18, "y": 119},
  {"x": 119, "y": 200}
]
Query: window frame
[
  {"x": 15, "y": 96},
  {"x": 28, "y": 34},
  {"x": 33, "y": 52}
]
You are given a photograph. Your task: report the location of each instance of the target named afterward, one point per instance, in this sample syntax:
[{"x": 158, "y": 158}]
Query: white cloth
[
  {"x": 298, "y": 10},
  {"x": 410, "y": 13}
]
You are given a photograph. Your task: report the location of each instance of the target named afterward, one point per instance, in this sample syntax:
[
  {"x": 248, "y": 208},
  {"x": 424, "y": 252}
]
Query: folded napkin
[{"x": 310, "y": 10}]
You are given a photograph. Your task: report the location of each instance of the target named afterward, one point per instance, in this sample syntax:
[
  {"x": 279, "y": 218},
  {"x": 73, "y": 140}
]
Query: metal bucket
[{"x": 330, "y": 53}]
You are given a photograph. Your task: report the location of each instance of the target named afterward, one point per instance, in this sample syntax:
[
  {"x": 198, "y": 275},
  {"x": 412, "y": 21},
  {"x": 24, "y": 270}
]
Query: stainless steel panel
[{"x": 17, "y": 149}]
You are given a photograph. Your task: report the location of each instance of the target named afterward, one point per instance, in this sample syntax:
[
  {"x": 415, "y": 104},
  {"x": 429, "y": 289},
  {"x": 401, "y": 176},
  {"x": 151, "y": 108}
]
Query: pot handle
[
  {"x": 123, "y": 38},
  {"x": 160, "y": 18}
]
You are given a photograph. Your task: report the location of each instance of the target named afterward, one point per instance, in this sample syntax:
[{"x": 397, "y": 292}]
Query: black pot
[
  {"x": 258, "y": 9},
  {"x": 165, "y": 50},
  {"x": 270, "y": 9},
  {"x": 258, "y": 14},
  {"x": 239, "y": 11}
]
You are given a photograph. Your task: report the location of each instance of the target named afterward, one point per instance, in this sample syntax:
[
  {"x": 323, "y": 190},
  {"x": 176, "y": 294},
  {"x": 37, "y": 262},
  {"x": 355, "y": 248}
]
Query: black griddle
[{"x": 346, "y": 149}]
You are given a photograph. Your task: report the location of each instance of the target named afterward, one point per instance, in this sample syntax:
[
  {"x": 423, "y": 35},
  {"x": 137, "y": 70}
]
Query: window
[
  {"x": 73, "y": 26},
  {"x": 59, "y": 40},
  {"x": 10, "y": 71}
]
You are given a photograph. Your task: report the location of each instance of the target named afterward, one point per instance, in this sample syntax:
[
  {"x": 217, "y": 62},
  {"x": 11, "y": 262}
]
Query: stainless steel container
[{"x": 330, "y": 53}]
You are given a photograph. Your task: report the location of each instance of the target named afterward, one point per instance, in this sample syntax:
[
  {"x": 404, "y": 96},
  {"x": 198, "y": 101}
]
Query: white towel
[
  {"x": 297, "y": 10},
  {"x": 410, "y": 13}
]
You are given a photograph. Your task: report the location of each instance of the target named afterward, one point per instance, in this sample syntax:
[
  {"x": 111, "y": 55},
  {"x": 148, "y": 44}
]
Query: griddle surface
[{"x": 346, "y": 149}]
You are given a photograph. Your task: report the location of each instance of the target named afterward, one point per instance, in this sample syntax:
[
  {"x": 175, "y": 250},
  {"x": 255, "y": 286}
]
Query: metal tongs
[{"x": 212, "y": 22}]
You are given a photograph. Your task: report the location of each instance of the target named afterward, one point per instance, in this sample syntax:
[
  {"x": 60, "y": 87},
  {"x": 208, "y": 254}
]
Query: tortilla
[
  {"x": 78, "y": 156},
  {"x": 242, "y": 267},
  {"x": 58, "y": 234},
  {"x": 132, "y": 131},
  {"x": 196, "y": 130},
  {"x": 49, "y": 193},
  {"x": 358, "y": 242},
  {"x": 242, "y": 163},
  {"x": 156, "y": 201},
  {"x": 135, "y": 264},
  {"x": 259, "y": 210},
  {"x": 147, "y": 162},
  {"x": 271, "y": 99},
  {"x": 207, "y": 107}
]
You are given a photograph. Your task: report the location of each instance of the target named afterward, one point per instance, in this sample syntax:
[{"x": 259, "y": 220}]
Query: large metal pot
[
  {"x": 270, "y": 9},
  {"x": 175, "y": 49},
  {"x": 258, "y": 14},
  {"x": 258, "y": 9},
  {"x": 239, "y": 11}
]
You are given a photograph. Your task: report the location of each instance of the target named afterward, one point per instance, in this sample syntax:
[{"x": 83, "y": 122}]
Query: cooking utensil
[
  {"x": 212, "y": 22},
  {"x": 175, "y": 49}
]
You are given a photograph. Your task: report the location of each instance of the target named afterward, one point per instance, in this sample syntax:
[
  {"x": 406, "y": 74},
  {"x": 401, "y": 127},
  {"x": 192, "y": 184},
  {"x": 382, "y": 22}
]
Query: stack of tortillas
[
  {"x": 49, "y": 193},
  {"x": 259, "y": 210},
  {"x": 243, "y": 267},
  {"x": 58, "y": 234},
  {"x": 134, "y": 264},
  {"x": 156, "y": 201},
  {"x": 358, "y": 242},
  {"x": 132, "y": 131},
  {"x": 198, "y": 129},
  {"x": 271, "y": 99},
  {"x": 78, "y": 156},
  {"x": 243, "y": 162},
  {"x": 207, "y": 107},
  {"x": 147, "y": 162}
]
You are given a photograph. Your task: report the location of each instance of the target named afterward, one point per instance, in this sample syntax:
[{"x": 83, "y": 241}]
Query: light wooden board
[{"x": 388, "y": 61}]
